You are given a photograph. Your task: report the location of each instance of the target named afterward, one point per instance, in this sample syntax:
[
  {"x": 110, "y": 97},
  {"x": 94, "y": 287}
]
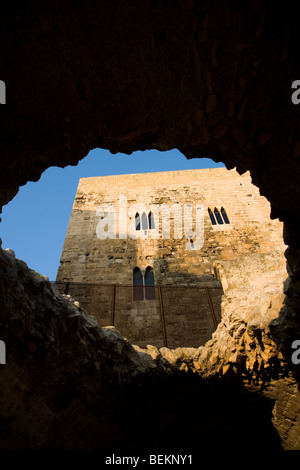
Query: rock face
[
  {"x": 212, "y": 79},
  {"x": 68, "y": 384}
]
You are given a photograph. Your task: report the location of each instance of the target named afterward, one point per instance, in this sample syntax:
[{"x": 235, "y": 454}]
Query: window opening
[
  {"x": 218, "y": 216},
  {"x": 137, "y": 221},
  {"x": 224, "y": 215},
  {"x": 144, "y": 221},
  {"x": 151, "y": 221},
  {"x": 212, "y": 217},
  {"x": 149, "y": 284},
  {"x": 138, "y": 289}
]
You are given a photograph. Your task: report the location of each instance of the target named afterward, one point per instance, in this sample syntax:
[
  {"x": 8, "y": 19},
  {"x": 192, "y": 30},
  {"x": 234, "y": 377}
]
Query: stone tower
[{"x": 144, "y": 252}]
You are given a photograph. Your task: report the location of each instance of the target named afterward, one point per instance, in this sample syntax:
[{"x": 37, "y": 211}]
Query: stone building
[
  {"x": 211, "y": 79},
  {"x": 143, "y": 251}
]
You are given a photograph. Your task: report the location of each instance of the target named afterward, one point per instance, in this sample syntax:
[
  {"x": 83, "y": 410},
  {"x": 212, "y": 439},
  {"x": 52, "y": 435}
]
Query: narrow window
[
  {"x": 149, "y": 284},
  {"x": 212, "y": 217},
  {"x": 137, "y": 221},
  {"x": 218, "y": 216},
  {"x": 151, "y": 220},
  {"x": 224, "y": 215},
  {"x": 144, "y": 221},
  {"x": 138, "y": 293}
]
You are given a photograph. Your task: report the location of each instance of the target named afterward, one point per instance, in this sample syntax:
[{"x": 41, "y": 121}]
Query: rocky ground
[{"x": 67, "y": 383}]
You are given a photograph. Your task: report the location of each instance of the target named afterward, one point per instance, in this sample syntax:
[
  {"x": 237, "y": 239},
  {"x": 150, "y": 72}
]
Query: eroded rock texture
[
  {"x": 212, "y": 79},
  {"x": 69, "y": 384}
]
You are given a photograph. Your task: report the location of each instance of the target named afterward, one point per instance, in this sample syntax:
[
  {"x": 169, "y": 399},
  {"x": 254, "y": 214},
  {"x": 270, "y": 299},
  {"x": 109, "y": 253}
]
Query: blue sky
[{"x": 35, "y": 222}]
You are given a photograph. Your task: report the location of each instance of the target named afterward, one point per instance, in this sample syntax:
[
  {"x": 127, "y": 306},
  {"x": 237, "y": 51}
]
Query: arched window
[
  {"x": 137, "y": 221},
  {"x": 224, "y": 215},
  {"x": 212, "y": 217},
  {"x": 149, "y": 284},
  {"x": 138, "y": 288},
  {"x": 144, "y": 221},
  {"x": 151, "y": 220},
  {"x": 218, "y": 216}
]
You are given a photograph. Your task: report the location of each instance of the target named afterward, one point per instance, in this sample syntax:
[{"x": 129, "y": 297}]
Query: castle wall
[{"x": 186, "y": 264}]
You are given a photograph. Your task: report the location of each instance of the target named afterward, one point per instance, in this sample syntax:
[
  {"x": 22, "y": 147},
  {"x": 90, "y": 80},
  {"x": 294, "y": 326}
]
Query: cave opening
[
  {"x": 184, "y": 278},
  {"x": 196, "y": 77},
  {"x": 222, "y": 271}
]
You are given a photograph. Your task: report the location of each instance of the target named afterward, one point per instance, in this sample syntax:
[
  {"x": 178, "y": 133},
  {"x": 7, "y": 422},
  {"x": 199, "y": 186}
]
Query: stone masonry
[{"x": 188, "y": 263}]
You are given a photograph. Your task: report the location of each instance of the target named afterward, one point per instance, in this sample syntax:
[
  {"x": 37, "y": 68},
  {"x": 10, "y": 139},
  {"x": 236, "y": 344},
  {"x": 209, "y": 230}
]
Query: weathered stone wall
[
  {"x": 86, "y": 258},
  {"x": 175, "y": 263},
  {"x": 178, "y": 316}
]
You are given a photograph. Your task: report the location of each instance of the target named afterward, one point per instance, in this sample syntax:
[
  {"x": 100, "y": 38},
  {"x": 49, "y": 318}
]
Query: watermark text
[
  {"x": 152, "y": 459},
  {"x": 2, "y": 92},
  {"x": 2, "y": 352},
  {"x": 296, "y": 354},
  {"x": 139, "y": 221}
]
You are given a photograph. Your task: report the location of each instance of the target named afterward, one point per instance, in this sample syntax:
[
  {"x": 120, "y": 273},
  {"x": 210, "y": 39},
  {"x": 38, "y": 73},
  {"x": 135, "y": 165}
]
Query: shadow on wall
[{"x": 178, "y": 315}]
